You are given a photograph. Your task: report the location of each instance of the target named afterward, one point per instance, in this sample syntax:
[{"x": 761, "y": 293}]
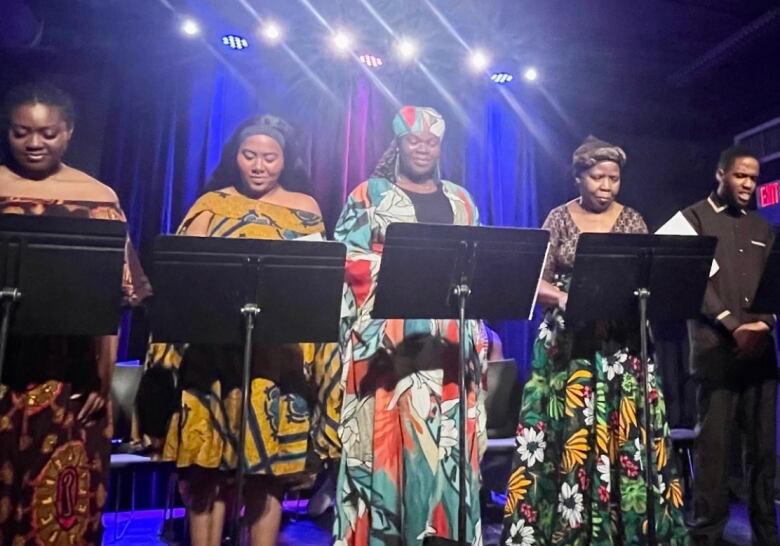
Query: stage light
[
  {"x": 407, "y": 49},
  {"x": 371, "y": 60},
  {"x": 235, "y": 42},
  {"x": 342, "y": 41},
  {"x": 531, "y": 74},
  {"x": 190, "y": 27},
  {"x": 272, "y": 32},
  {"x": 502, "y": 77},
  {"x": 478, "y": 60}
]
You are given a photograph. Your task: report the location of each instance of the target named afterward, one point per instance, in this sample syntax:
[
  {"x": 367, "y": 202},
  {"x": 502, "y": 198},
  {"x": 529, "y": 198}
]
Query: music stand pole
[
  {"x": 8, "y": 297},
  {"x": 643, "y": 294},
  {"x": 462, "y": 291},
  {"x": 249, "y": 312}
]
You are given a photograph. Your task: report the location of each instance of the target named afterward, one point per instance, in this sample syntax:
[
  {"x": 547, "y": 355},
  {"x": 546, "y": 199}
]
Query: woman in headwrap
[
  {"x": 398, "y": 482},
  {"x": 293, "y": 411},
  {"x": 577, "y": 474}
]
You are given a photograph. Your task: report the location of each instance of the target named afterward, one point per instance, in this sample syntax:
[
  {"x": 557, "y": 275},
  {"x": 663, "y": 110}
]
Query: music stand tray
[
  {"x": 244, "y": 291},
  {"x": 626, "y": 277},
  {"x": 435, "y": 271},
  {"x": 60, "y": 276}
]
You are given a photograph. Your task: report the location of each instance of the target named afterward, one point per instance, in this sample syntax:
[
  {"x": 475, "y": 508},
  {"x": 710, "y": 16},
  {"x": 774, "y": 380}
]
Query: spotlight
[
  {"x": 371, "y": 60},
  {"x": 406, "y": 48},
  {"x": 272, "y": 32},
  {"x": 235, "y": 42},
  {"x": 342, "y": 41},
  {"x": 502, "y": 77},
  {"x": 478, "y": 60},
  {"x": 190, "y": 27},
  {"x": 531, "y": 74}
]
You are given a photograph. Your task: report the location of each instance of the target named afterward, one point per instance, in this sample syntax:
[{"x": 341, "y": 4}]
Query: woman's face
[
  {"x": 38, "y": 136},
  {"x": 260, "y": 161},
  {"x": 599, "y": 185},
  {"x": 420, "y": 154}
]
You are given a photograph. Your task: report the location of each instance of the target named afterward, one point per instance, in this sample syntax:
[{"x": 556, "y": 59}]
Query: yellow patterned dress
[{"x": 295, "y": 394}]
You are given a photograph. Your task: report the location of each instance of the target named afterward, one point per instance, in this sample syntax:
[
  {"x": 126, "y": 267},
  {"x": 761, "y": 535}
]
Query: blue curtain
[{"x": 500, "y": 172}]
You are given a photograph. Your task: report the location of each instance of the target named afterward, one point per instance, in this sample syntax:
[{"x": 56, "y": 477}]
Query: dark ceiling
[{"x": 663, "y": 64}]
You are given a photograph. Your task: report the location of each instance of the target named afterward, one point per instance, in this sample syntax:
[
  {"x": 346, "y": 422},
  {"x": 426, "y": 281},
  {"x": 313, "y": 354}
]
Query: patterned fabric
[
  {"x": 283, "y": 425},
  {"x": 577, "y": 476},
  {"x": 415, "y": 119},
  {"x": 54, "y": 469},
  {"x": 398, "y": 478}
]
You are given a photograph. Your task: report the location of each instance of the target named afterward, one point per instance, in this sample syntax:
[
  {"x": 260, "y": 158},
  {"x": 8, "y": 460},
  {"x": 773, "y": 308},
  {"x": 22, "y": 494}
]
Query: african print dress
[
  {"x": 398, "y": 480},
  {"x": 53, "y": 468},
  {"x": 295, "y": 396},
  {"x": 577, "y": 476}
]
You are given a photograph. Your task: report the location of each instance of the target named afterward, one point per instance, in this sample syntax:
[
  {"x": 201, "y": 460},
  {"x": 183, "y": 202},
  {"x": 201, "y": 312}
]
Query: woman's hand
[
  {"x": 563, "y": 299},
  {"x": 94, "y": 403}
]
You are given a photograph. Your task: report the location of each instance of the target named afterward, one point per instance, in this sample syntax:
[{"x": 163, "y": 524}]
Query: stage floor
[{"x": 143, "y": 529}]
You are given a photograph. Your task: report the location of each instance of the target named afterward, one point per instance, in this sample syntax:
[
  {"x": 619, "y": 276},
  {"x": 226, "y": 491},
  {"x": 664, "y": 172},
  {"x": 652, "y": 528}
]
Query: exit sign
[{"x": 769, "y": 194}]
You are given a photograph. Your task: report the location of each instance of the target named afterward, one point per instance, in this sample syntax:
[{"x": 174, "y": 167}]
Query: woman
[
  {"x": 397, "y": 483},
  {"x": 55, "y": 427},
  {"x": 251, "y": 196},
  {"x": 577, "y": 475}
]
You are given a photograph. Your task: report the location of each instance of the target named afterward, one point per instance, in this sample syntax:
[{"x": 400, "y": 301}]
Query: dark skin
[
  {"x": 419, "y": 156},
  {"x": 736, "y": 186},
  {"x": 38, "y": 136}
]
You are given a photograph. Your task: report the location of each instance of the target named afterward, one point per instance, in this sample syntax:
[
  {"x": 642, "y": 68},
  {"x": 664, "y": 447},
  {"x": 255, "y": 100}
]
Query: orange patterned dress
[{"x": 53, "y": 468}]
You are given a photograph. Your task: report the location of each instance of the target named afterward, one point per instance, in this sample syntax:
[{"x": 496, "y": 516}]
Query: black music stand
[
  {"x": 245, "y": 291},
  {"x": 615, "y": 275},
  {"x": 767, "y": 298},
  {"x": 459, "y": 272},
  {"x": 60, "y": 276}
]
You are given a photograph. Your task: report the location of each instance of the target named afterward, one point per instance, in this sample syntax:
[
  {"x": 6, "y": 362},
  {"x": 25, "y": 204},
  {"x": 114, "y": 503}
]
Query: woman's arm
[{"x": 551, "y": 296}]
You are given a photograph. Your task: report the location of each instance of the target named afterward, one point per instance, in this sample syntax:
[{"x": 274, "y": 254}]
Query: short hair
[
  {"x": 38, "y": 93},
  {"x": 731, "y": 154}
]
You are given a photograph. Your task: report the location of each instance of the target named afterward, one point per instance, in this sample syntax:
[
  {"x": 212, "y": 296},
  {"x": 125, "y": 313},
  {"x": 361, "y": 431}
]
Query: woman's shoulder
[
  {"x": 457, "y": 189},
  {"x": 303, "y": 202},
  {"x": 557, "y": 214},
  {"x": 631, "y": 221},
  {"x": 632, "y": 215}
]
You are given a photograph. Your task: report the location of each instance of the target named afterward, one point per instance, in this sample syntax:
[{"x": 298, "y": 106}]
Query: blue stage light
[
  {"x": 235, "y": 42},
  {"x": 371, "y": 61},
  {"x": 502, "y": 77},
  {"x": 189, "y": 27},
  {"x": 531, "y": 74}
]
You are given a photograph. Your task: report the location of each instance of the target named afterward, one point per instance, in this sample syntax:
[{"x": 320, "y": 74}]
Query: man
[{"x": 733, "y": 357}]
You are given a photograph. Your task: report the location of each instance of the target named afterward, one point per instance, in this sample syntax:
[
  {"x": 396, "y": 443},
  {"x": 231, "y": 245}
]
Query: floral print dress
[
  {"x": 398, "y": 479},
  {"x": 577, "y": 475}
]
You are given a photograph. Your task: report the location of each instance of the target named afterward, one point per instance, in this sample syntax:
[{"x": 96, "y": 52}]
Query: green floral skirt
[{"x": 578, "y": 470}]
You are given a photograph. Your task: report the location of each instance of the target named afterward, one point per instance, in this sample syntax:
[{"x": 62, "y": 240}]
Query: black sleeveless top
[{"x": 432, "y": 208}]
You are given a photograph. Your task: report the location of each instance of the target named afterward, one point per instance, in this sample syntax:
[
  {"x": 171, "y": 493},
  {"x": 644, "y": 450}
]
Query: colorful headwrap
[
  {"x": 415, "y": 119},
  {"x": 593, "y": 151}
]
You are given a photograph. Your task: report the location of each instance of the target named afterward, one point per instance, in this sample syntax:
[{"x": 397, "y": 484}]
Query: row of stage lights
[{"x": 341, "y": 41}]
